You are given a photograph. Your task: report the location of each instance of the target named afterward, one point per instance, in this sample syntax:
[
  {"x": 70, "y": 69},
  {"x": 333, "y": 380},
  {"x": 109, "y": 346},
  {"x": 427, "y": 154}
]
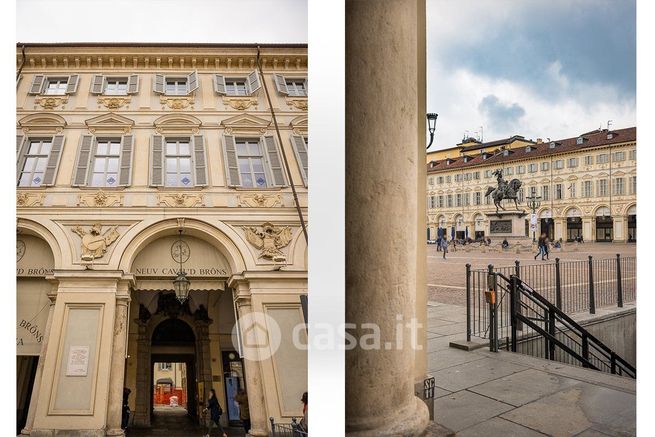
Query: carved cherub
[
  {"x": 94, "y": 245},
  {"x": 269, "y": 240}
]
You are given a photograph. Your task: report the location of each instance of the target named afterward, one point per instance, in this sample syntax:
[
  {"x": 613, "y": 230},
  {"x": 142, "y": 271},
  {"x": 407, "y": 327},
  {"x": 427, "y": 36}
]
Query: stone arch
[
  {"x": 566, "y": 211},
  {"x": 628, "y": 207},
  {"x": 298, "y": 250},
  {"x": 176, "y": 123},
  {"x": 545, "y": 210},
  {"x": 220, "y": 236},
  {"x": 598, "y": 207},
  {"x": 42, "y": 122},
  {"x": 37, "y": 229}
]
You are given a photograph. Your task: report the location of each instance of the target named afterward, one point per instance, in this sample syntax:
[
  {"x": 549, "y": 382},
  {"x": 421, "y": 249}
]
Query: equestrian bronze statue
[{"x": 504, "y": 190}]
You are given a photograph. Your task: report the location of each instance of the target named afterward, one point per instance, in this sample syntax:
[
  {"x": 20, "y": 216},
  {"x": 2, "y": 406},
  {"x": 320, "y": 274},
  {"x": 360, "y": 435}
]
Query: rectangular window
[
  {"x": 520, "y": 169},
  {"x": 618, "y": 187},
  {"x": 508, "y": 171},
  {"x": 633, "y": 184},
  {"x": 458, "y": 200},
  {"x": 440, "y": 201},
  {"x": 36, "y": 161},
  {"x": 476, "y": 175},
  {"x": 533, "y": 191},
  {"x": 487, "y": 173},
  {"x": 440, "y": 180},
  {"x": 165, "y": 366},
  {"x": 573, "y": 162},
  {"x": 116, "y": 87},
  {"x": 449, "y": 200},
  {"x": 619, "y": 156},
  {"x": 105, "y": 163},
  {"x": 520, "y": 195},
  {"x": 602, "y": 188},
  {"x": 632, "y": 155},
  {"x": 572, "y": 190},
  {"x": 430, "y": 202},
  {"x": 545, "y": 192},
  {"x": 559, "y": 164},
  {"x": 467, "y": 199},
  {"x": 587, "y": 189},
  {"x": 178, "y": 163},
  {"x": 431, "y": 181},
  {"x": 558, "y": 192},
  {"x": 588, "y": 160},
  {"x": 477, "y": 197},
  {"x": 458, "y": 177},
  {"x": 296, "y": 87},
  {"x": 532, "y": 168},
  {"x": 56, "y": 86},
  {"x": 236, "y": 86},
  {"x": 176, "y": 86},
  {"x": 545, "y": 166},
  {"x": 487, "y": 200},
  {"x": 251, "y": 163},
  {"x": 448, "y": 179},
  {"x": 602, "y": 158},
  {"x": 53, "y": 85}
]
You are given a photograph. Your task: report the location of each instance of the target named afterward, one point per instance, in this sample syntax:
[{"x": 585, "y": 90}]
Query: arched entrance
[
  {"x": 479, "y": 226},
  {"x": 547, "y": 224},
  {"x": 573, "y": 224},
  {"x": 604, "y": 225},
  {"x": 632, "y": 224}
]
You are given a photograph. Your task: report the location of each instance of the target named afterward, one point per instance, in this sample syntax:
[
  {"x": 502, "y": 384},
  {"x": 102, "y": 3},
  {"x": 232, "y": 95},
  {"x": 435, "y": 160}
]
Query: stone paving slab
[
  {"x": 474, "y": 373},
  {"x": 464, "y": 409},
  {"x": 441, "y": 360},
  {"x": 498, "y": 427},
  {"x": 455, "y": 328}
]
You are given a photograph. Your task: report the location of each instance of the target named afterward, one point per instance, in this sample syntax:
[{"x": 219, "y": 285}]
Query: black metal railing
[
  {"x": 573, "y": 286},
  {"x": 292, "y": 429},
  {"x": 548, "y": 328}
]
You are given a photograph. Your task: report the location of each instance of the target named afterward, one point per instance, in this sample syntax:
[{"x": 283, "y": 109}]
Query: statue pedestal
[{"x": 514, "y": 226}]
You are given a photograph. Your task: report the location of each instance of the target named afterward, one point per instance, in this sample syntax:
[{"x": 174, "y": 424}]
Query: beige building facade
[
  {"x": 119, "y": 148},
  {"x": 587, "y": 186}
]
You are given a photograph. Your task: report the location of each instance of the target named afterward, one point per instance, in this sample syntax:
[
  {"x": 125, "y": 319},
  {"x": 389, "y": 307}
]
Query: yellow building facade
[
  {"x": 120, "y": 147},
  {"x": 587, "y": 186}
]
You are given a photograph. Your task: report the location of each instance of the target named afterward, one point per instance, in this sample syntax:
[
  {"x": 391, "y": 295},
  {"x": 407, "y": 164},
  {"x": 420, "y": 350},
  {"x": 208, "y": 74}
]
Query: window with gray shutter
[
  {"x": 200, "y": 160},
  {"x": 158, "y": 83},
  {"x": 53, "y": 160},
  {"x": 230, "y": 161},
  {"x": 219, "y": 84},
  {"x": 192, "y": 82},
  {"x": 281, "y": 84},
  {"x": 300, "y": 150},
  {"x": 125, "y": 174},
  {"x": 274, "y": 161},
  {"x": 33, "y": 161},
  {"x": 133, "y": 84},
  {"x": 253, "y": 82},
  {"x": 97, "y": 84},
  {"x": 37, "y": 84},
  {"x": 19, "y": 143},
  {"x": 22, "y": 143},
  {"x": 73, "y": 80},
  {"x": 156, "y": 160},
  {"x": 83, "y": 160}
]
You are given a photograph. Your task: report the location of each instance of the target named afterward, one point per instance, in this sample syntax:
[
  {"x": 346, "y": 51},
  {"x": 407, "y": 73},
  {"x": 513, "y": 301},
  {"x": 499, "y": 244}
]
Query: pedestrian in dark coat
[{"x": 215, "y": 412}]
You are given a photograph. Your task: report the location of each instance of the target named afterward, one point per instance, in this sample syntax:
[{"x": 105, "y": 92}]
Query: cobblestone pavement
[{"x": 447, "y": 278}]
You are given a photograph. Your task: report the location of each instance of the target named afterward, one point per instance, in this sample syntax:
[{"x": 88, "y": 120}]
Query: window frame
[
  {"x": 297, "y": 91},
  {"x": 178, "y": 156},
  {"x": 61, "y": 80},
  {"x": 38, "y": 156},
  {"x": 261, "y": 155},
  {"x": 118, "y": 79},
  {"x": 107, "y": 156}
]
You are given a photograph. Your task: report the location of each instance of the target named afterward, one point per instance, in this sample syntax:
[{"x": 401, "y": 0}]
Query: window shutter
[
  {"x": 306, "y": 89},
  {"x": 231, "y": 162},
  {"x": 300, "y": 149},
  {"x": 133, "y": 84},
  {"x": 158, "y": 84},
  {"x": 199, "y": 160},
  {"x": 192, "y": 82},
  {"x": 219, "y": 84},
  {"x": 73, "y": 80},
  {"x": 156, "y": 161},
  {"x": 125, "y": 174},
  {"x": 37, "y": 84},
  {"x": 53, "y": 160},
  {"x": 281, "y": 84},
  {"x": 98, "y": 84},
  {"x": 22, "y": 143},
  {"x": 253, "y": 82},
  {"x": 83, "y": 161},
  {"x": 274, "y": 162}
]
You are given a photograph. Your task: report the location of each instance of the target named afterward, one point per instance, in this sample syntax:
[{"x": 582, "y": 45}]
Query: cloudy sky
[
  {"x": 540, "y": 68},
  {"x": 227, "y": 21}
]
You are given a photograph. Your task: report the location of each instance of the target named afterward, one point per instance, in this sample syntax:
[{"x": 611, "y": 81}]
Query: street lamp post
[
  {"x": 533, "y": 202},
  {"x": 432, "y": 121}
]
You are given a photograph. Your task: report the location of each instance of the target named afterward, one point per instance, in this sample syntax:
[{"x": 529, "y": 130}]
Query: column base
[
  {"x": 409, "y": 422},
  {"x": 116, "y": 432},
  {"x": 257, "y": 432}
]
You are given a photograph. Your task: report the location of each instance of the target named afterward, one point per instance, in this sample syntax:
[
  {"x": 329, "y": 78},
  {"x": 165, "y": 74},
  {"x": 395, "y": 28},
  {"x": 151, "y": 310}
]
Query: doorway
[
  {"x": 25, "y": 373},
  {"x": 548, "y": 228},
  {"x": 573, "y": 228},
  {"x": 604, "y": 229}
]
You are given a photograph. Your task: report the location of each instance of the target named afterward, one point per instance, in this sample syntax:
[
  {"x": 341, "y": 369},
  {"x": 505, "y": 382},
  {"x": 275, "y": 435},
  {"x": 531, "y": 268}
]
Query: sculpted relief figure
[
  {"x": 270, "y": 239},
  {"x": 94, "y": 244}
]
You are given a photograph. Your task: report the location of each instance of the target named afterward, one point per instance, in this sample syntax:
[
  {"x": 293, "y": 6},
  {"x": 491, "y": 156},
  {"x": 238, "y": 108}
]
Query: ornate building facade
[
  {"x": 587, "y": 185},
  {"x": 119, "y": 148}
]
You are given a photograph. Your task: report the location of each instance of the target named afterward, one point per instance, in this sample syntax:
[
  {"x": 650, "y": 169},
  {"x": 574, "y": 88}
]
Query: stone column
[
  {"x": 39, "y": 367},
  {"x": 589, "y": 229},
  {"x": 560, "y": 228},
  {"x": 142, "y": 409},
  {"x": 115, "y": 410},
  {"x": 254, "y": 382},
  {"x": 382, "y": 111},
  {"x": 203, "y": 357}
]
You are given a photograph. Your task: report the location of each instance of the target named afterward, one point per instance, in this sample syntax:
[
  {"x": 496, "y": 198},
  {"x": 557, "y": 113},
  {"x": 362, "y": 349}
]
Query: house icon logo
[{"x": 257, "y": 336}]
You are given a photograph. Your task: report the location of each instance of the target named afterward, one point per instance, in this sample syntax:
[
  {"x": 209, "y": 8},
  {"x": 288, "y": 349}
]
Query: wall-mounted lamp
[
  {"x": 432, "y": 122},
  {"x": 181, "y": 283}
]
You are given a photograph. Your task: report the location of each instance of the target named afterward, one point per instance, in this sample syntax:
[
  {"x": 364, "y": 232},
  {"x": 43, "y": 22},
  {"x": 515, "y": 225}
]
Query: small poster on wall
[{"x": 78, "y": 361}]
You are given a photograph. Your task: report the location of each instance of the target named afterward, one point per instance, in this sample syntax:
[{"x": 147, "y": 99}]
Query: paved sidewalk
[{"x": 480, "y": 393}]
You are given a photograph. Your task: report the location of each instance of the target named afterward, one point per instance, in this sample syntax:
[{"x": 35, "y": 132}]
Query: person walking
[
  {"x": 302, "y": 426},
  {"x": 541, "y": 247},
  {"x": 444, "y": 247},
  {"x": 546, "y": 247},
  {"x": 215, "y": 412},
  {"x": 125, "y": 417},
  {"x": 244, "y": 409}
]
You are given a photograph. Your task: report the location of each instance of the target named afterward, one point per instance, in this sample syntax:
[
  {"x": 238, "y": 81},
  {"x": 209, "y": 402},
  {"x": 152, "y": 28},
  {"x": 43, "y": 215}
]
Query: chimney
[{"x": 539, "y": 141}]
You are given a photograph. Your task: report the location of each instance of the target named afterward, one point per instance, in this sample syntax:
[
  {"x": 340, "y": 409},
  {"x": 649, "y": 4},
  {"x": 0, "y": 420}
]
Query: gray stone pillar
[
  {"x": 117, "y": 375},
  {"x": 203, "y": 359},
  {"x": 143, "y": 371},
  {"x": 382, "y": 164},
  {"x": 254, "y": 383},
  {"x": 39, "y": 367}
]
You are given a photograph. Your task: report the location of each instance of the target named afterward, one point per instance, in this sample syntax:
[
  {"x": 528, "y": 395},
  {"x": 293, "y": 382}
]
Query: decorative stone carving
[
  {"x": 25, "y": 200},
  {"x": 269, "y": 239},
  {"x": 50, "y": 102},
  {"x": 177, "y": 102},
  {"x": 258, "y": 200},
  {"x": 94, "y": 243},
  {"x": 240, "y": 103},
  {"x": 181, "y": 200},
  {"x": 114, "y": 102},
  {"x": 99, "y": 199},
  {"x": 298, "y": 103}
]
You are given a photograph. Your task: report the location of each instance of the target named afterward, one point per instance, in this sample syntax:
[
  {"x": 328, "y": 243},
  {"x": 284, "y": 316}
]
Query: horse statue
[{"x": 504, "y": 190}]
